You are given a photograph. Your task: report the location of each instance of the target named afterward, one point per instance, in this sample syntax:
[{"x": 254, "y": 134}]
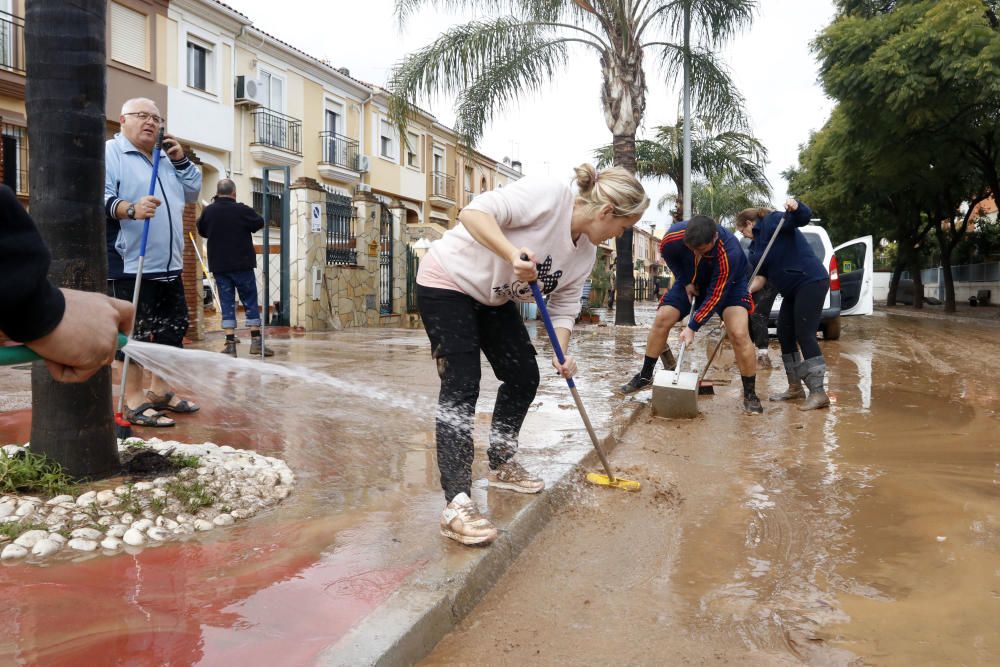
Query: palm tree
[
  {"x": 718, "y": 156},
  {"x": 722, "y": 197},
  {"x": 65, "y": 97},
  {"x": 490, "y": 62}
]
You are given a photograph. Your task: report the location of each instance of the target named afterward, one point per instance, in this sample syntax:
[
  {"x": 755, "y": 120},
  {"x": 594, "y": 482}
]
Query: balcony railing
[
  {"x": 443, "y": 185},
  {"x": 339, "y": 150},
  {"x": 277, "y": 130},
  {"x": 11, "y": 43}
]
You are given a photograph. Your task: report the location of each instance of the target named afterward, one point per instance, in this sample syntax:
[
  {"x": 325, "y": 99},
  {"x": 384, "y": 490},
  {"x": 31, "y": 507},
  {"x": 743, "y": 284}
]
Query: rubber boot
[
  {"x": 255, "y": 346},
  {"x": 794, "y": 392},
  {"x": 812, "y": 371},
  {"x": 230, "y": 348}
]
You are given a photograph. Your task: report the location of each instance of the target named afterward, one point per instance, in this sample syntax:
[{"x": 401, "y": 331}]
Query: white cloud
[{"x": 559, "y": 127}]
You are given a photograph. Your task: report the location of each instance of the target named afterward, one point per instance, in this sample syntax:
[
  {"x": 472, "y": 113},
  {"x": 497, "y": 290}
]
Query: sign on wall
[{"x": 316, "y": 217}]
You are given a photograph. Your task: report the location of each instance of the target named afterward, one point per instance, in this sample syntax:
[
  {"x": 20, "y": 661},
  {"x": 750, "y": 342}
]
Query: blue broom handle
[
  {"x": 549, "y": 328},
  {"x": 152, "y": 189}
]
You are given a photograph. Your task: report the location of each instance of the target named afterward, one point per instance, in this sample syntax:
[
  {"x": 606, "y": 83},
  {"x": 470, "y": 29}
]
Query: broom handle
[
  {"x": 208, "y": 274},
  {"x": 572, "y": 385},
  {"x": 753, "y": 275},
  {"x": 142, "y": 261},
  {"x": 680, "y": 355}
]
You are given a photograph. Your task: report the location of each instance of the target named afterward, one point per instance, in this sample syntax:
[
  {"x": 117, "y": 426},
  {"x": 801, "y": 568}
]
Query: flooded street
[{"x": 868, "y": 533}]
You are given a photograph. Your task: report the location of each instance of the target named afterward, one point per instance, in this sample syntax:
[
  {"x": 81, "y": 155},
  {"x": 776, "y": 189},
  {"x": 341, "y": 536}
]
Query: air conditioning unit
[
  {"x": 364, "y": 164},
  {"x": 249, "y": 91},
  {"x": 364, "y": 187}
]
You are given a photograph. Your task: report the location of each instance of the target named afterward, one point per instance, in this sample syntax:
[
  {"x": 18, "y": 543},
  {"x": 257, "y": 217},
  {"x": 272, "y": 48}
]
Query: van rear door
[{"x": 856, "y": 268}]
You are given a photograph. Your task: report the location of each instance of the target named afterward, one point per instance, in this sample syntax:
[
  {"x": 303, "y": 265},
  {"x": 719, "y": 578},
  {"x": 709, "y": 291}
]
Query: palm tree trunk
[
  {"x": 65, "y": 98},
  {"x": 624, "y": 150}
]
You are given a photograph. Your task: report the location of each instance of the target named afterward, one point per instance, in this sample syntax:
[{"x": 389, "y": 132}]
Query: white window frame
[
  {"x": 209, "y": 52},
  {"x": 273, "y": 73},
  {"x": 213, "y": 65},
  {"x": 392, "y": 135},
  {"x": 438, "y": 152},
  {"x": 414, "y": 148}
]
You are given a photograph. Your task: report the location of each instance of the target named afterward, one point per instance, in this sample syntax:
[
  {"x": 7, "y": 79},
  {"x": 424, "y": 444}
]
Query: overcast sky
[{"x": 558, "y": 128}]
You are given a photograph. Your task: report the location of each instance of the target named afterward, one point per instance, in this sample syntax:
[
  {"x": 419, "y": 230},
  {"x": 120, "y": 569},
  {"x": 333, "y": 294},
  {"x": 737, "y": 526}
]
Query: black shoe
[
  {"x": 636, "y": 383},
  {"x": 230, "y": 348},
  {"x": 752, "y": 406}
]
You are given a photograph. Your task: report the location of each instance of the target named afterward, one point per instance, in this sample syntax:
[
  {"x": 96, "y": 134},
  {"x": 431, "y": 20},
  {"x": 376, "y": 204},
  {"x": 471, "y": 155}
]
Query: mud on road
[{"x": 868, "y": 533}]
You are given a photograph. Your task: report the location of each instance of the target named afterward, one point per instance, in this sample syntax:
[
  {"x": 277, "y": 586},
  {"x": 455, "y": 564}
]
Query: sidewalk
[
  {"x": 351, "y": 568},
  {"x": 985, "y": 314}
]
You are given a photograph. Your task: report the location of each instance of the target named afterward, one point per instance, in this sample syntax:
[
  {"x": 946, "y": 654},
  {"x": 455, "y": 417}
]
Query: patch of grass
[
  {"x": 135, "y": 443},
  {"x": 28, "y": 472},
  {"x": 12, "y": 529},
  {"x": 192, "y": 494},
  {"x": 130, "y": 501},
  {"x": 185, "y": 461}
]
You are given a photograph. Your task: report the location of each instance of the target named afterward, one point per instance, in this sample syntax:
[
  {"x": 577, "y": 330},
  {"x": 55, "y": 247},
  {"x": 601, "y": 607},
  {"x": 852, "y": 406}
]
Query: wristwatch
[{"x": 130, "y": 212}]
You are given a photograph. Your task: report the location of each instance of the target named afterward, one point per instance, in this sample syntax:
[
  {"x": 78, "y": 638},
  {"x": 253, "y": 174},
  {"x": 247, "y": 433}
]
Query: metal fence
[
  {"x": 271, "y": 128},
  {"x": 385, "y": 263},
  {"x": 274, "y": 196},
  {"x": 963, "y": 273},
  {"x": 341, "y": 244},
  {"x": 412, "y": 266},
  {"x": 443, "y": 185},
  {"x": 339, "y": 150},
  {"x": 11, "y": 43}
]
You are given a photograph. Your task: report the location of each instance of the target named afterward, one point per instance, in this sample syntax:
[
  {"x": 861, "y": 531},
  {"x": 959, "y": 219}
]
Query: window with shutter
[{"x": 129, "y": 37}]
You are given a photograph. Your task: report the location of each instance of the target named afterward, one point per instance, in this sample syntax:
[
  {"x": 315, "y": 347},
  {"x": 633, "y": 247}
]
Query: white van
[{"x": 851, "y": 268}]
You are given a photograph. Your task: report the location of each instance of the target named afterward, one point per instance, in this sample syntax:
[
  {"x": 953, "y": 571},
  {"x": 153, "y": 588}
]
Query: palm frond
[
  {"x": 713, "y": 91},
  {"x": 557, "y": 11}
]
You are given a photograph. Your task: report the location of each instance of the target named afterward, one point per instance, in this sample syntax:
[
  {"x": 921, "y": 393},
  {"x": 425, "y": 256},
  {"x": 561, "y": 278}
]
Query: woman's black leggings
[
  {"x": 799, "y": 318},
  {"x": 459, "y": 327}
]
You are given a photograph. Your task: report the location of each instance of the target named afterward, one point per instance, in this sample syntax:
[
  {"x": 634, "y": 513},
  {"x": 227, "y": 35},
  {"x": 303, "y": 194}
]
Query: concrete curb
[{"x": 407, "y": 626}]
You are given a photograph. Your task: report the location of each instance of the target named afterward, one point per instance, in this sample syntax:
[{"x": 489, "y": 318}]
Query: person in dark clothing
[
  {"x": 763, "y": 300},
  {"x": 802, "y": 281},
  {"x": 611, "y": 293},
  {"x": 229, "y": 227},
  {"x": 74, "y": 331},
  {"x": 709, "y": 266}
]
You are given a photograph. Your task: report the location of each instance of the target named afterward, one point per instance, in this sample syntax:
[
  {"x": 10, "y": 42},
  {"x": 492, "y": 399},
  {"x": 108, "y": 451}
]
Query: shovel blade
[{"x": 617, "y": 482}]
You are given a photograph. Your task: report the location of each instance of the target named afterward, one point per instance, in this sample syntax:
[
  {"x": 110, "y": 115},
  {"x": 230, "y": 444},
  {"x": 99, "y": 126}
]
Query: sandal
[
  {"x": 139, "y": 417},
  {"x": 163, "y": 403}
]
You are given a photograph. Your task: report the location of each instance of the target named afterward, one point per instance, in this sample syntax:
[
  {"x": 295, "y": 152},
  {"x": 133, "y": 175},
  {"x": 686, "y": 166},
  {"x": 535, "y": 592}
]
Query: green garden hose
[{"x": 21, "y": 354}]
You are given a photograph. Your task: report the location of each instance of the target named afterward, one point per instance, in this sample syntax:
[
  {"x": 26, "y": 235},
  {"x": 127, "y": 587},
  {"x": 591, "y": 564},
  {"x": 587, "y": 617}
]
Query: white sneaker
[
  {"x": 462, "y": 522},
  {"x": 513, "y": 477}
]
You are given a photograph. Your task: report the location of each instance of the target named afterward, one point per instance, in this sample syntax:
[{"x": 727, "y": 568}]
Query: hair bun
[{"x": 586, "y": 177}]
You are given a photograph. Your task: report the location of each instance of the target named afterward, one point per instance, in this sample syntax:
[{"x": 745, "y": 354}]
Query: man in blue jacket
[
  {"x": 162, "y": 310},
  {"x": 229, "y": 227},
  {"x": 710, "y": 266}
]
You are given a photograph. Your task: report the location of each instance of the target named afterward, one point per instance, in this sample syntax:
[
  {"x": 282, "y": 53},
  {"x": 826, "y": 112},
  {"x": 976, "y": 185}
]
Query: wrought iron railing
[
  {"x": 15, "y": 152},
  {"x": 443, "y": 185},
  {"x": 339, "y": 150},
  {"x": 11, "y": 42},
  {"x": 271, "y": 128},
  {"x": 274, "y": 192},
  {"x": 341, "y": 244},
  {"x": 412, "y": 266}
]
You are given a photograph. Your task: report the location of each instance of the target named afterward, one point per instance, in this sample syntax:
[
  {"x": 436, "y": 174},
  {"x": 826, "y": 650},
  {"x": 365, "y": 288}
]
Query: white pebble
[
  {"x": 86, "y": 534},
  {"x": 143, "y": 486},
  {"x": 202, "y": 525},
  {"x": 223, "y": 520},
  {"x": 161, "y": 481},
  {"x": 164, "y": 522},
  {"x": 126, "y": 518},
  {"x": 106, "y": 520},
  {"x": 60, "y": 499},
  {"x": 103, "y": 496},
  {"x": 158, "y": 534},
  {"x": 88, "y": 498},
  {"x": 134, "y": 538},
  {"x": 111, "y": 543},
  {"x": 25, "y": 509},
  {"x": 31, "y": 538},
  {"x": 12, "y": 551},
  {"x": 45, "y": 547},
  {"x": 81, "y": 544},
  {"x": 6, "y": 509},
  {"x": 142, "y": 524},
  {"x": 117, "y": 530},
  {"x": 56, "y": 537}
]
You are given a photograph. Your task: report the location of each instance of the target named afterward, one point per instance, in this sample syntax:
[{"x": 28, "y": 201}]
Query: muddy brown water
[{"x": 868, "y": 533}]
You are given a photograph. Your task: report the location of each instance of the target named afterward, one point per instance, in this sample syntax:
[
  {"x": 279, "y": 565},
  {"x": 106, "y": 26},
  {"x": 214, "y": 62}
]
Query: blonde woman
[{"x": 466, "y": 289}]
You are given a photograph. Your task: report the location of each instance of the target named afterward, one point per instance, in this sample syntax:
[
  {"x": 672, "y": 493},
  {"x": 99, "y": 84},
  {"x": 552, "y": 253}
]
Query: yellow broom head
[{"x": 617, "y": 482}]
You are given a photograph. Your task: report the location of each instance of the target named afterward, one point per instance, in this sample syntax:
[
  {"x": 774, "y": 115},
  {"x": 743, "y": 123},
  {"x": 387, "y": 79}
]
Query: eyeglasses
[{"x": 145, "y": 115}]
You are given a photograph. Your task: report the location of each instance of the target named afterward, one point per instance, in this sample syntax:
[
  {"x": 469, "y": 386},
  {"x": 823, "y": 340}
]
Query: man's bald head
[{"x": 226, "y": 188}]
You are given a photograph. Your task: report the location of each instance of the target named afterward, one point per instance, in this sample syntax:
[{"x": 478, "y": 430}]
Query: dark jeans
[
  {"x": 245, "y": 282},
  {"x": 763, "y": 299},
  {"x": 799, "y": 318},
  {"x": 162, "y": 315},
  {"x": 459, "y": 327}
]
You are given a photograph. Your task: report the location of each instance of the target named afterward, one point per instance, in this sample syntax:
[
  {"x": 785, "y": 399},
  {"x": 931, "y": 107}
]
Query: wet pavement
[
  {"x": 868, "y": 533},
  {"x": 868, "y": 530},
  {"x": 353, "y": 415}
]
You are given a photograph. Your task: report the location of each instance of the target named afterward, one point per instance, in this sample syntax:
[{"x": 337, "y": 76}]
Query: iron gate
[{"x": 385, "y": 263}]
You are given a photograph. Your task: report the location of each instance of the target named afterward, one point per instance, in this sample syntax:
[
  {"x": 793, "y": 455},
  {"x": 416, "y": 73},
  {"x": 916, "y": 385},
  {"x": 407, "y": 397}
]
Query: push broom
[
  {"x": 122, "y": 427},
  {"x": 594, "y": 478}
]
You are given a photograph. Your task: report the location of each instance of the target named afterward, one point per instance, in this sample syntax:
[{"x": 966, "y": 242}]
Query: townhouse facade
[{"x": 13, "y": 119}]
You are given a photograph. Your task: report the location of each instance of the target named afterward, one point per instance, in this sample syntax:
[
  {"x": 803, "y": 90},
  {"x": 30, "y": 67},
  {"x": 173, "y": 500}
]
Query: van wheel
[{"x": 831, "y": 329}]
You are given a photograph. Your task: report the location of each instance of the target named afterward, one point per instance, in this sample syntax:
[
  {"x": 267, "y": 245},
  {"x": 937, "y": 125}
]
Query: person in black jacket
[
  {"x": 75, "y": 332},
  {"x": 229, "y": 226},
  {"x": 802, "y": 281}
]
